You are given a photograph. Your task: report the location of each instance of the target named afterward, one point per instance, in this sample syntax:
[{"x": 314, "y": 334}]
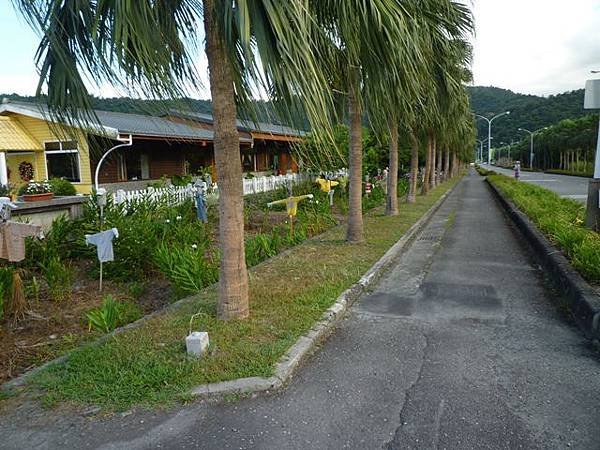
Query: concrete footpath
[{"x": 460, "y": 346}]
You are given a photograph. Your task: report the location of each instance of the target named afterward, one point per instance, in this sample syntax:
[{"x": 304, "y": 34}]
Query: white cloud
[{"x": 536, "y": 46}]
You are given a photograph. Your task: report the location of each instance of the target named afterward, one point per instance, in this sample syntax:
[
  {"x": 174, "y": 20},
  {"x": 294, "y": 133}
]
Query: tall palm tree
[
  {"x": 150, "y": 47},
  {"x": 367, "y": 40}
]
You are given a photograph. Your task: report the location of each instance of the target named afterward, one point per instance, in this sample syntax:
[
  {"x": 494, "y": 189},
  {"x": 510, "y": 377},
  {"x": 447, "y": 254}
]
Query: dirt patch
[{"x": 51, "y": 328}]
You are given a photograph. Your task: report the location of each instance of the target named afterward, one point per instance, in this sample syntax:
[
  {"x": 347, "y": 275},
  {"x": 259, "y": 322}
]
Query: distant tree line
[{"x": 567, "y": 146}]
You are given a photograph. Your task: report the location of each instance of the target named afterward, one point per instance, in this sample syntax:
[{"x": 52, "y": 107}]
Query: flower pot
[{"x": 38, "y": 197}]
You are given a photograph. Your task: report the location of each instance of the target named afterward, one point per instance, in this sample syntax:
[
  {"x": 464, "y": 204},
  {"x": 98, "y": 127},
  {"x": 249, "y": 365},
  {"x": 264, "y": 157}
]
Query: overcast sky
[{"x": 530, "y": 46}]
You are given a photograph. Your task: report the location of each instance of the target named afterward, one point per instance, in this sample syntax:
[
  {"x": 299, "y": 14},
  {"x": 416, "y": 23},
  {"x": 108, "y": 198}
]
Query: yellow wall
[
  {"x": 42, "y": 132},
  {"x": 14, "y": 159}
]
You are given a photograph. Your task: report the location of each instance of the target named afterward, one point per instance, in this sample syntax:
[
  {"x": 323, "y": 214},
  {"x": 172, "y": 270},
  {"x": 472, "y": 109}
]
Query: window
[{"x": 62, "y": 160}]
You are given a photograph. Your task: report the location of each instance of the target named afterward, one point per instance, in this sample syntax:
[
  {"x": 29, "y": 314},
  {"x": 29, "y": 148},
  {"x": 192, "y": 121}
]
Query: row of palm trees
[{"x": 400, "y": 63}]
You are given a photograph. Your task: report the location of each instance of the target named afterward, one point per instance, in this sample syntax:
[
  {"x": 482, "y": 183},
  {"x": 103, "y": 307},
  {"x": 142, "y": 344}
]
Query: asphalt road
[
  {"x": 460, "y": 346},
  {"x": 567, "y": 186}
]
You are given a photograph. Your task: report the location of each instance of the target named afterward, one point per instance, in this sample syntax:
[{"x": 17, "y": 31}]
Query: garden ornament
[
  {"x": 291, "y": 206},
  {"x": 104, "y": 247},
  {"x": 326, "y": 185},
  {"x": 12, "y": 239},
  {"x": 368, "y": 185},
  {"x": 196, "y": 342},
  {"x": 200, "y": 188},
  {"x": 6, "y": 207}
]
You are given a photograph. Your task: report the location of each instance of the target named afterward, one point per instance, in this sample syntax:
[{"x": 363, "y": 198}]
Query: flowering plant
[{"x": 37, "y": 187}]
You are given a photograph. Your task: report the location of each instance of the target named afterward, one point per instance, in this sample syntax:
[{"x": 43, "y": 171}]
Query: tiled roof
[
  {"x": 121, "y": 123},
  {"x": 259, "y": 127}
]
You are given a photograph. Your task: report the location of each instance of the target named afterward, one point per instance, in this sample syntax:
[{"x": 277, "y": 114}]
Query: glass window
[
  {"x": 63, "y": 165},
  {"x": 62, "y": 160}
]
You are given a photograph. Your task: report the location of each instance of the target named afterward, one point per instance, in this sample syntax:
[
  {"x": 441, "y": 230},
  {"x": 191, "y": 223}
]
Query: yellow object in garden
[
  {"x": 326, "y": 185},
  {"x": 291, "y": 203}
]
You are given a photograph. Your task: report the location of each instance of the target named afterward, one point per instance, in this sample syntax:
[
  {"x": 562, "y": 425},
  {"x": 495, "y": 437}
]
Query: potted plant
[{"x": 37, "y": 191}]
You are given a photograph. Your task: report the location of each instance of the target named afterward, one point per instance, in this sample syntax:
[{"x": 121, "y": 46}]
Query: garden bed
[
  {"x": 148, "y": 365},
  {"x": 162, "y": 254}
]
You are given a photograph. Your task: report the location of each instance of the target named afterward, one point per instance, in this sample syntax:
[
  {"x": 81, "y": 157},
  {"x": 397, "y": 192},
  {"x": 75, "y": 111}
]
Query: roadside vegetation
[
  {"x": 289, "y": 293},
  {"x": 560, "y": 219},
  {"x": 162, "y": 254},
  {"x": 484, "y": 172}
]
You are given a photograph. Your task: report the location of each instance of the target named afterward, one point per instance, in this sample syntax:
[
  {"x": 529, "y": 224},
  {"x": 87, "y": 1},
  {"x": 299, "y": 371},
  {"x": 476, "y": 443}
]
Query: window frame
[{"x": 61, "y": 151}]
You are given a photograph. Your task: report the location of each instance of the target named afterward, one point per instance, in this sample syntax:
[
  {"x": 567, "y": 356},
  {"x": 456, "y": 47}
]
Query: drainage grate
[{"x": 430, "y": 237}]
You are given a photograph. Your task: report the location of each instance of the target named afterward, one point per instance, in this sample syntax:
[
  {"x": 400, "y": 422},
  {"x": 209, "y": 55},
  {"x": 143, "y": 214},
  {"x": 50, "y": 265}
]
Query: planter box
[{"x": 38, "y": 197}]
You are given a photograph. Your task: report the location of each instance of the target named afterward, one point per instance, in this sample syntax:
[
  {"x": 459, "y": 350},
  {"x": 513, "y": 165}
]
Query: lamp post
[
  {"x": 481, "y": 148},
  {"x": 489, "y": 121},
  {"x": 531, "y": 133}
]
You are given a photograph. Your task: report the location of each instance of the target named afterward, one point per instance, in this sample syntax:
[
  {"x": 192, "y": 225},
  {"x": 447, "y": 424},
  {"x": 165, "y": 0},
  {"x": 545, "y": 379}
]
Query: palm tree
[
  {"x": 370, "y": 54},
  {"x": 391, "y": 205},
  {"x": 149, "y": 47}
]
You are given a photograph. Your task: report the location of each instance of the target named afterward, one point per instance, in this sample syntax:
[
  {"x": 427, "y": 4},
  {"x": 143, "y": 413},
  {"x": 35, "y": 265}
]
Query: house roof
[
  {"x": 14, "y": 137},
  {"x": 243, "y": 125},
  {"x": 115, "y": 123}
]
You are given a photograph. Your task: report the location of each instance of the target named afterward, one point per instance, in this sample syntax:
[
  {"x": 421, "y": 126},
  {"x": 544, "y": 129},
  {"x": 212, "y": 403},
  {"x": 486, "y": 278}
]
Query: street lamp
[
  {"x": 481, "y": 148},
  {"x": 531, "y": 133},
  {"x": 489, "y": 121}
]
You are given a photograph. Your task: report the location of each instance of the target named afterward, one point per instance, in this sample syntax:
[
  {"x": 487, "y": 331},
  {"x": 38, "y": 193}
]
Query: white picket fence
[{"x": 178, "y": 194}]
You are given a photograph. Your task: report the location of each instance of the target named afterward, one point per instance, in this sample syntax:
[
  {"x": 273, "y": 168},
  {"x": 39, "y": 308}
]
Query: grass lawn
[
  {"x": 560, "y": 219},
  {"x": 289, "y": 293}
]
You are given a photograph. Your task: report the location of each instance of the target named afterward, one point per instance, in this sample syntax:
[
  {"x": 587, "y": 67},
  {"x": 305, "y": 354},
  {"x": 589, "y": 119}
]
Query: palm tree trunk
[
  {"x": 414, "y": 168},
  {"x": 438, "y": 178},
  {"x": 391, "y": 206},
  {"x": 233, "y": 276},
  {"x": 354, "y": 233},
  {"x": 447, "y": 165},
  {"x": 454, "y": 164},
  {"x": 425, "y": 186},
  {"x": 433, "y": 163}
]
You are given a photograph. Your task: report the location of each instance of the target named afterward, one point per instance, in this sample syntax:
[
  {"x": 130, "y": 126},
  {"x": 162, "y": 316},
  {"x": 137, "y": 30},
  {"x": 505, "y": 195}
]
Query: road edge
[
  {"x": 307, "y": 343},
  {"x": 583, "y": 302}
]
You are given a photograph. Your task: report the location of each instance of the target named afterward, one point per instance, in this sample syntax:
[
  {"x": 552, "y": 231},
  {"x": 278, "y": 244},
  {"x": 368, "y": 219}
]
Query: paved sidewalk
[{"x": 459, "y": 347}]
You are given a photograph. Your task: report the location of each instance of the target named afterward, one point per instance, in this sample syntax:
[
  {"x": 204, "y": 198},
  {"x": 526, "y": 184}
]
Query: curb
[
  {"x": 306, "y": 344},
  {"x": 584, "y": 303}
]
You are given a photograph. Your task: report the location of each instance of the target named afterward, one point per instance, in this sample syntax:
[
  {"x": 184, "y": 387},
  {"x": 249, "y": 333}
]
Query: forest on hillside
[{"x": 526, "y": 111}]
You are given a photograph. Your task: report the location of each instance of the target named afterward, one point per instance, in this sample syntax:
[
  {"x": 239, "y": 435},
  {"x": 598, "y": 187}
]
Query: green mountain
[{"x": 526, "y": 111}]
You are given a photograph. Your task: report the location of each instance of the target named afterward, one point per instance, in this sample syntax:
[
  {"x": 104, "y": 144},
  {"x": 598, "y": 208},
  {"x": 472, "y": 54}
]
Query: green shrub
[
  {"x": 181, "y": 180},
  {"x": 60, "y": 186},
  {"x": 59, "y": 277},
  {"x": 112, "y": 314},
  {"x": 187, "y": 267},
  {"x": 5, "y": 289},
  {"x": 560, "y": 219},
  {"x": 261, "y": 247}
]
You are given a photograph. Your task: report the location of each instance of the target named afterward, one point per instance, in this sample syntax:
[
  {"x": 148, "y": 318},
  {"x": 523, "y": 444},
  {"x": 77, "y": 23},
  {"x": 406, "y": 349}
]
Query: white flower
[
  {"x": 167, "y": 221},
  {"x": 178, "y": 217},
  {"x": 194, "y": 246},
  {"x": 317, "y": 202}
]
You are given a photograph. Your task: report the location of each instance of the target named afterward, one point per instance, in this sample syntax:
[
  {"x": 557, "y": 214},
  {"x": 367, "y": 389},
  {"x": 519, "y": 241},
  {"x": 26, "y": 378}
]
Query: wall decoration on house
[{"x": 26, "y": 171}]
